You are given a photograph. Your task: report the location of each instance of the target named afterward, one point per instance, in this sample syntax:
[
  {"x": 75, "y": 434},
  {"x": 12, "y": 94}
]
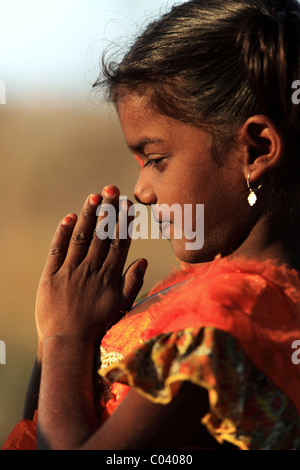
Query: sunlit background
[{"x": 59, "y": 142}]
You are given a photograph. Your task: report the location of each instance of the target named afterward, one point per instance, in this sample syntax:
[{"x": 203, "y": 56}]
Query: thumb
[{"x": 132, "y": 283}]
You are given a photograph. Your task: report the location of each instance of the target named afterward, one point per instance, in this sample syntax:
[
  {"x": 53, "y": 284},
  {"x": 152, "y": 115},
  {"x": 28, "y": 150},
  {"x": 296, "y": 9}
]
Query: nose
[{"x": 143, "y": 191}]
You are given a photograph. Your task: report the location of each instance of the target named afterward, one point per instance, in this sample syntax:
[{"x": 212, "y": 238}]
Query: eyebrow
[{"x": 140, "y": 146}]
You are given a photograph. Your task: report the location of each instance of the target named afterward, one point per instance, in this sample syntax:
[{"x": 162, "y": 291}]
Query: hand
[{"x": 83, "y": 291}]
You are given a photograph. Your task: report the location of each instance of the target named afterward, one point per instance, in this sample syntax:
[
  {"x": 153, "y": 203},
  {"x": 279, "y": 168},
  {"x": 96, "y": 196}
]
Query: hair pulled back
[{"x": 216, "y": 63}]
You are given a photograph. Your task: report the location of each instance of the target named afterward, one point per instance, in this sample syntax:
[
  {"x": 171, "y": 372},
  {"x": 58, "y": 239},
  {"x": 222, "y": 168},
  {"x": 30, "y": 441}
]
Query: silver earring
[{"x": 252, "y": 198}]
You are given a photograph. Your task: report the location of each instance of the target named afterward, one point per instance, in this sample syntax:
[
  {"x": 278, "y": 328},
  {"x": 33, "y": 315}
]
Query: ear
[{"x": 264, "y": 146}]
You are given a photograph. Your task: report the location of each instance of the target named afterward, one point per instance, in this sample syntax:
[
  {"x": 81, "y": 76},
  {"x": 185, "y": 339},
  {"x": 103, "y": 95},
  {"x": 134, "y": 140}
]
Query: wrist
[
  {"x": 68, "y": 357},
  {"x": 60, "y": 342},
  {"x": 67, "y": 386},
  {"x": 83, "y": 336}
]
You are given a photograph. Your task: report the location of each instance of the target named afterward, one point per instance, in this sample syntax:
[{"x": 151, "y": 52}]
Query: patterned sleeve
[{"x": 246, "y": 408}]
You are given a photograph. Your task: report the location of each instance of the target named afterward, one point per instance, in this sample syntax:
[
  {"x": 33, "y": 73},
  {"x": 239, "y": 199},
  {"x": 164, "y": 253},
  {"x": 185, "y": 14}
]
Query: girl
[{"x": 204, "y": 98}]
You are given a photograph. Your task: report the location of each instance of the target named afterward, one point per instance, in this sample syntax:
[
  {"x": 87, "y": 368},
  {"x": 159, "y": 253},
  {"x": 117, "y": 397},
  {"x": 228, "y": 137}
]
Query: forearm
[
  {"x": 66, "y": 417},
  {"x": 33, "y": 389}
]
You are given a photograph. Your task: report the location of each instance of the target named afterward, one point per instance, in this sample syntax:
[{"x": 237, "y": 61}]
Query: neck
[{"x": 273, "y": 237}]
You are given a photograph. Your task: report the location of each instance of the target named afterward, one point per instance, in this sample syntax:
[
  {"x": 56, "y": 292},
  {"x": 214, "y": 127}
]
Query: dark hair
[{"x": 215, "y": 63}]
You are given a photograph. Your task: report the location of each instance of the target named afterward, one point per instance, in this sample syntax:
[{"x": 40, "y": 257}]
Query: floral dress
[{"x": 229, "y": 328}]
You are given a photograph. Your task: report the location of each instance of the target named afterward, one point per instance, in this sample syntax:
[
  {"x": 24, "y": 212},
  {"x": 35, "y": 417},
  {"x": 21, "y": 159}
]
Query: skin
[
  {"x": 83, "y": 288},
  {"x": 66, "y": 398},
  {"x": 188, "y": 175}
]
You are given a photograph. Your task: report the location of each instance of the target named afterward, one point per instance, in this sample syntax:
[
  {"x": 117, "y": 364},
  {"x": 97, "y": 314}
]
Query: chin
[{"x": 202, "y": 255}]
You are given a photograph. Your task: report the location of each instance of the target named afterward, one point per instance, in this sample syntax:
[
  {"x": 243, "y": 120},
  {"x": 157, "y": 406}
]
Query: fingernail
[
  {"x": 109, "y": 192},
  {"x": 143, "y": 264},
  {"x": 94, "y": 200},
  {"x": 67, "y": 221}
]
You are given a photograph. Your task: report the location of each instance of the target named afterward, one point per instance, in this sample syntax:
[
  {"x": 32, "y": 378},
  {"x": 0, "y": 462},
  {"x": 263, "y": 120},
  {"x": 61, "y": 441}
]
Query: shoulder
[
  {"x": 225, "y": 292},
  {"x": 256, "y": 304}
]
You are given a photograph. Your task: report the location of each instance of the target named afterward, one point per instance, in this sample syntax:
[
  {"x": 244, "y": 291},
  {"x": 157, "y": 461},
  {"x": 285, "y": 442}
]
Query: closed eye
[
  {"x": 153, "y": 161},
  {"x": 158, "y": 163}
]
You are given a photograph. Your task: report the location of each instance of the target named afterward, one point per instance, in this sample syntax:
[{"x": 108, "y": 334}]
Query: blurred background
[{"x": 59, "y": 142}]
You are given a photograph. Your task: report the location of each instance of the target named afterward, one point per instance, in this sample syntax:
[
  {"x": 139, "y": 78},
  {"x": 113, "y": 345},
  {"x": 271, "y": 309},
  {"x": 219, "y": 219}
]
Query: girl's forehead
[
  {"x": 137, "y": 116},
  {"x": 133, "y": 102},
  {"x": 142, "y": 124}
]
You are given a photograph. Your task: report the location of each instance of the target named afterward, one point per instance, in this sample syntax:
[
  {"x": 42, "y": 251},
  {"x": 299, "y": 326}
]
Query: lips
[
  {"x": 164, "y": 225},
  {"x": 161, "y": 215},
  {"x": 158, "y": 216},
  {"x": 165, "y": 228}
]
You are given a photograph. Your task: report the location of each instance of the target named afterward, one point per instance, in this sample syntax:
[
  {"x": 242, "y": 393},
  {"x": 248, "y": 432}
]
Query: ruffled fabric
[
  {"x": 257, "y": 305},
  {"x": 23, "y": 436},
  {"x": 246, "y": 408}
]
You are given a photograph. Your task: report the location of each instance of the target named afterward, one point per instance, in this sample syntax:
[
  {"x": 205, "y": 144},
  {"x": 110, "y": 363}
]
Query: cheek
[{"x": 194, "y": 182}]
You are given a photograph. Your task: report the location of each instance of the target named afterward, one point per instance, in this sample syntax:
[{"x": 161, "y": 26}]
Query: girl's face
[{"x": 177, "y": 168}]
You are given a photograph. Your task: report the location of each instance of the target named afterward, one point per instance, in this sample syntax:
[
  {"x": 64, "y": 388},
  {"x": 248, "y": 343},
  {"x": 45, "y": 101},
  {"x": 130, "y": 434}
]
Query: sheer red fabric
[{"x": 23, "y": 436}]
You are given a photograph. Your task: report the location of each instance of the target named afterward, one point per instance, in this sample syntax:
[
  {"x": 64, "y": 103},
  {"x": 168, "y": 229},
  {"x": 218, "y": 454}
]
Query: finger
[
  {"x": 59, "y": 245},
  {"x": 132, "y": 283},
  {"x": 83, "y": 231},
  {"x": 105, "y": 227},
  {"x": 114, "y": 262}
]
